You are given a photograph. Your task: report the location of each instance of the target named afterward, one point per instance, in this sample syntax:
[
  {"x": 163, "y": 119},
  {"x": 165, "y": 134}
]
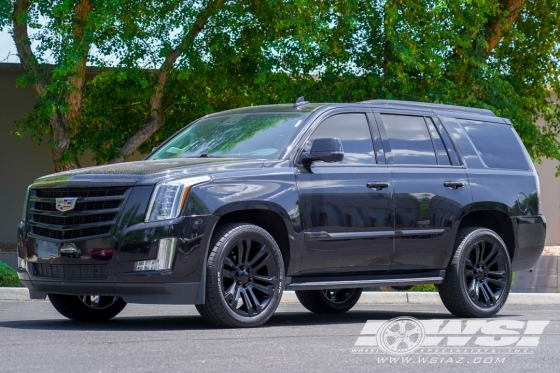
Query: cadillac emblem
[{"x": 65, "y": 204}]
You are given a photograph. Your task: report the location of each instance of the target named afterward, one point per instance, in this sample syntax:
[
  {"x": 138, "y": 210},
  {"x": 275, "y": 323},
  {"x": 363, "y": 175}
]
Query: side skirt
[{"x": 350, "y": 282}]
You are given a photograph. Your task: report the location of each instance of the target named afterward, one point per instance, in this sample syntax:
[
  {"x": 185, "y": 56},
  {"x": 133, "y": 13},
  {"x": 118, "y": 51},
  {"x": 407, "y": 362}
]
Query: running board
[{"x": 364, "y": 283}]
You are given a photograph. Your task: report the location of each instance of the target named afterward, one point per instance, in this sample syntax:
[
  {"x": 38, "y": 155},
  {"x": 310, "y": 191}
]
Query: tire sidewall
[
  {"x": 258, "y": 234},
  {"x": 468, "y": 242}
]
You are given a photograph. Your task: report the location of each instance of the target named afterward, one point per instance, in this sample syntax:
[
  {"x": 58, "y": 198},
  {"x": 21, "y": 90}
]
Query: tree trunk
[
  {"x": 62, "y": 127},
  {"x": 155, "y": 119},
  {"x": 497, "y": 26}
]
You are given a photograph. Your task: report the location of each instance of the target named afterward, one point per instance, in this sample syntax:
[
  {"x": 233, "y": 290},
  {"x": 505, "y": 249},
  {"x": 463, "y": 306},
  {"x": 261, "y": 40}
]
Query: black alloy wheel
[
  {"x": 329, "y": 301},
  {"x": 244, "y": 277},
  {"x": 87, "y": 307},
  {"x": 478, "y": 279}
]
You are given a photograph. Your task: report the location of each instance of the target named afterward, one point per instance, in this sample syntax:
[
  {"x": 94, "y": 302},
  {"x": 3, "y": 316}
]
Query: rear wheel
[
  {"x": 478, "y": 279},
  {"x": 87, "y": 307},
  {"x": 244, "y": 277},
  {"x": 329, "y": 301}
]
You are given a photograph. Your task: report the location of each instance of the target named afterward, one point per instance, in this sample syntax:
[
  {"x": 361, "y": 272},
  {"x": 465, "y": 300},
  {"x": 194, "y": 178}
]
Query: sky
[{"x": 7, "y": 48}]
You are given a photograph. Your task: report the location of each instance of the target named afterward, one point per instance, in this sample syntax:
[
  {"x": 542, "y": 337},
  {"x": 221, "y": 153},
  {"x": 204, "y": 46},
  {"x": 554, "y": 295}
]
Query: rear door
[
  {"x": 346, "y": 207},
  {"x": 431, "y": 189}
]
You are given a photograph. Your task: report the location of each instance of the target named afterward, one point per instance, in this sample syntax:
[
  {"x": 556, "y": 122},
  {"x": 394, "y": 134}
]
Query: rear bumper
[
  {"x": 531, "y": 235},
  {"x": 150, "y": 293}
]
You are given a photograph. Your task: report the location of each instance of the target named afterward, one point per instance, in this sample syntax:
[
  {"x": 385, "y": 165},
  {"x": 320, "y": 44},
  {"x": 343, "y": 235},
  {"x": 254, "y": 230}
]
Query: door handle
[
  {"x": 377, "y": 185},
  {"x": 453, "y": 184}
]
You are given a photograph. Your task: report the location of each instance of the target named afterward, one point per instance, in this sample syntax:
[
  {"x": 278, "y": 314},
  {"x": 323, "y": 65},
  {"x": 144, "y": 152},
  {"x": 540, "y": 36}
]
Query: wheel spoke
[
  {"x": 248, "y": 244},
  {"x": 485, "y": 295},
  {"x": 230, "y": 293},
  {"x": 229, "y": 263},
  {"x": 477, "y": 253},
  {"x": 496, "y": 273},
  {"x": 226, "y": 273},
  {"x": 265, "y": 261},
  {"x": 239, "y": 253},
  {"x": 468, "y": 263},
  {"x": 268, "y": 279},
  {"x": 402, "y": 326},
  {"x": 247, "y": 301},
  {"x": 264, "y": 289},
  {"x": 258, "y": 255},
  {"x": 258, "y": 305},
  {"x": 490, "y": 256},
  {"x": 390, "y": 333},
  {"x": 488, "y": 293},
  {"x": 469, "y": 272},
  {"x": 498, "y": 282}
]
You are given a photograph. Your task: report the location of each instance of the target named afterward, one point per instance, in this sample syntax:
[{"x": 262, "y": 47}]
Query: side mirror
[{"x": 325, "y": 149}]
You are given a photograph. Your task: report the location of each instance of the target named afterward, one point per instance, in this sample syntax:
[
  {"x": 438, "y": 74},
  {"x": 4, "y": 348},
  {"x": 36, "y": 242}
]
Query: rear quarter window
[{"x": 496, "y": 144}]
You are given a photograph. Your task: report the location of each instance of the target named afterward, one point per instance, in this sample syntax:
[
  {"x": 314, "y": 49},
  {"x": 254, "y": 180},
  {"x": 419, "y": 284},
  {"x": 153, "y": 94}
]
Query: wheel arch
[
  {"x": 267, "y": 215},
  {"x": 495, "y": 220}
]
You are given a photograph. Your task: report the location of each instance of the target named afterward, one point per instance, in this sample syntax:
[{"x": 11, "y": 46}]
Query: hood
[{"x": 145, "y": 172}]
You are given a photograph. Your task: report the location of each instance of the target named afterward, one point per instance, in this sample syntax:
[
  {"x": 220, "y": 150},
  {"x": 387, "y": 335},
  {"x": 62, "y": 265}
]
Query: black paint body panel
[{"x": 337, "y": 227}]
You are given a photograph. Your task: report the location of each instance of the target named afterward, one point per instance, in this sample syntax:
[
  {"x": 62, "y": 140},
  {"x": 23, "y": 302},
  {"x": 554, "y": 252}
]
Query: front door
[{"x": 346, "y": 207}]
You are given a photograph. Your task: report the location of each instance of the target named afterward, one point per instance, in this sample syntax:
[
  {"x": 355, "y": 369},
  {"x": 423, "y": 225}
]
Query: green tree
[
  {"x": 204, "y": 56},
  {"x": 160, "y": 36}
]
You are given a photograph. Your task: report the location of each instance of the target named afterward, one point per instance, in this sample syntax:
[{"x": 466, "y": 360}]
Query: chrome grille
[
  {"x": 70, "y": 270},
  {"x": 94, "y": 213}
]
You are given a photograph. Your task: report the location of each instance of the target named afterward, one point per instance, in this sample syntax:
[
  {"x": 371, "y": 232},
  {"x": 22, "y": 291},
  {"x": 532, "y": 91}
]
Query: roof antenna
[{"x": 300, "y": 102}]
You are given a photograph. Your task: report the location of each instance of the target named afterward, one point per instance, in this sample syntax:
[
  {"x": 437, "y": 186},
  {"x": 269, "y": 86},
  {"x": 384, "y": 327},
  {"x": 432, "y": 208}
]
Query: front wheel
[
  {"x": 87, "y": 307},
  {"x": 478, "y": 279},
  {"x": 244, "y": 277},
  {"x": 329, "y": 301}
]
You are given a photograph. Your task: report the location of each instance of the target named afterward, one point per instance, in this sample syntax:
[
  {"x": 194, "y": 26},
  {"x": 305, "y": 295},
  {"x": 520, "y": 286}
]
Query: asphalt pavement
[{"x": 153, "y": 338}]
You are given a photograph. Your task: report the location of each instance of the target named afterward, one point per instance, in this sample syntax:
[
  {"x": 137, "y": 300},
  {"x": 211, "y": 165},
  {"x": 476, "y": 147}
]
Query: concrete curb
[{"x": 367, "y": 298}]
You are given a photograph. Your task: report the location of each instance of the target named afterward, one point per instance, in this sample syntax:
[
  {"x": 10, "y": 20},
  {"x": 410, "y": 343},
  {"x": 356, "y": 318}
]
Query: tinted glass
[
  {"x": 496, "y": 144},
  {"x": 353, "y": 132},
  {"x": 441, "y": 153},
  {"x": 409, "y": 139},
  {"x": 247, "y": 135}
]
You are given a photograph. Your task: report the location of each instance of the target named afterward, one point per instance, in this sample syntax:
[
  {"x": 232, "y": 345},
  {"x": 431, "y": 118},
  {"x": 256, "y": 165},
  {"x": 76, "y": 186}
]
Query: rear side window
[
  {"x": 410, "y": 140},
  {"x": 496, "y": 144}
]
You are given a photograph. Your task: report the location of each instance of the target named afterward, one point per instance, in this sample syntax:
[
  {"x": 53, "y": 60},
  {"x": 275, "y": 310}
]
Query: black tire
[
  {"x": 87, "y": 308},
  {"x": 244, "y": 277},
  {"x": 478, "y": 279},
  {"x": 329, "y": 301}
]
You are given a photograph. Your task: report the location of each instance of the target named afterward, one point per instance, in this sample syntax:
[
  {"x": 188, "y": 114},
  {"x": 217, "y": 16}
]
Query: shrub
[
  {"x": 8, "y": 276},
  {"x": 427, "y": 287}
]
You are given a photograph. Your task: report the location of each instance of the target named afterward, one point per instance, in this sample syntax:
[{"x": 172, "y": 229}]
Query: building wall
[
  {"x": 550, "y": 193},
  {"x": 21, "y": 162}
]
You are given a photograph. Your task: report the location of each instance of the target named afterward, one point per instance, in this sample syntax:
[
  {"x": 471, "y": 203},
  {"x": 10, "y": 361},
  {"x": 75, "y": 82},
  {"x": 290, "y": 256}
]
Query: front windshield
[{"x": 246, "y": 135}]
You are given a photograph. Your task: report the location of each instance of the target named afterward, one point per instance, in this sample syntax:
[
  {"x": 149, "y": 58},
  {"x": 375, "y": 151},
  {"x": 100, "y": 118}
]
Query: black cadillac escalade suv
[{"x": 323, "y": 199}]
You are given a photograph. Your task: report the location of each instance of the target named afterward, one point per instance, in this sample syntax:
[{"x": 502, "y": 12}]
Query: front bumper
[
  {"x": 182, "y": 284},
  {"x": 165, "y": 293}
]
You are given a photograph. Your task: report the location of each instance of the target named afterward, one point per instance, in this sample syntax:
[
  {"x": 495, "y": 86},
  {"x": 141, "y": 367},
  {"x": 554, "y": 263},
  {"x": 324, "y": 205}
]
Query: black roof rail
[{"x": 427, "y": 105}]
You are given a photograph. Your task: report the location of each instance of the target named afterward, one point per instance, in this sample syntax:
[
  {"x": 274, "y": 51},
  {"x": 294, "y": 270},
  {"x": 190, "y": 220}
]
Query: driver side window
[{"x": 353, "y": 131}]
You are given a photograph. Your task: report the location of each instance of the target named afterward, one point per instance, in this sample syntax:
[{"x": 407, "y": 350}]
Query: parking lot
[{"x": 34, "y": 337}]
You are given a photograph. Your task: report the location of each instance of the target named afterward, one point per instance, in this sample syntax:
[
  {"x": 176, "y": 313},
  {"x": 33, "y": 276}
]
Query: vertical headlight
[
  {"x": 25, "y": 202},
  {"x": 169, "y": 197}
]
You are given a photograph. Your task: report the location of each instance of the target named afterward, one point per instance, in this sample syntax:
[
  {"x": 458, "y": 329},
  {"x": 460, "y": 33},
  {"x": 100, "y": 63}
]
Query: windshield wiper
[{"x": 204, "y": 155}]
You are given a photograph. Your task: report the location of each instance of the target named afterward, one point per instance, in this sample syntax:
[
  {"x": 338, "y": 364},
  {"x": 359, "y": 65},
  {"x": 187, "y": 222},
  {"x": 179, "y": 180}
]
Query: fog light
[{"x": 166, "y": 252}]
